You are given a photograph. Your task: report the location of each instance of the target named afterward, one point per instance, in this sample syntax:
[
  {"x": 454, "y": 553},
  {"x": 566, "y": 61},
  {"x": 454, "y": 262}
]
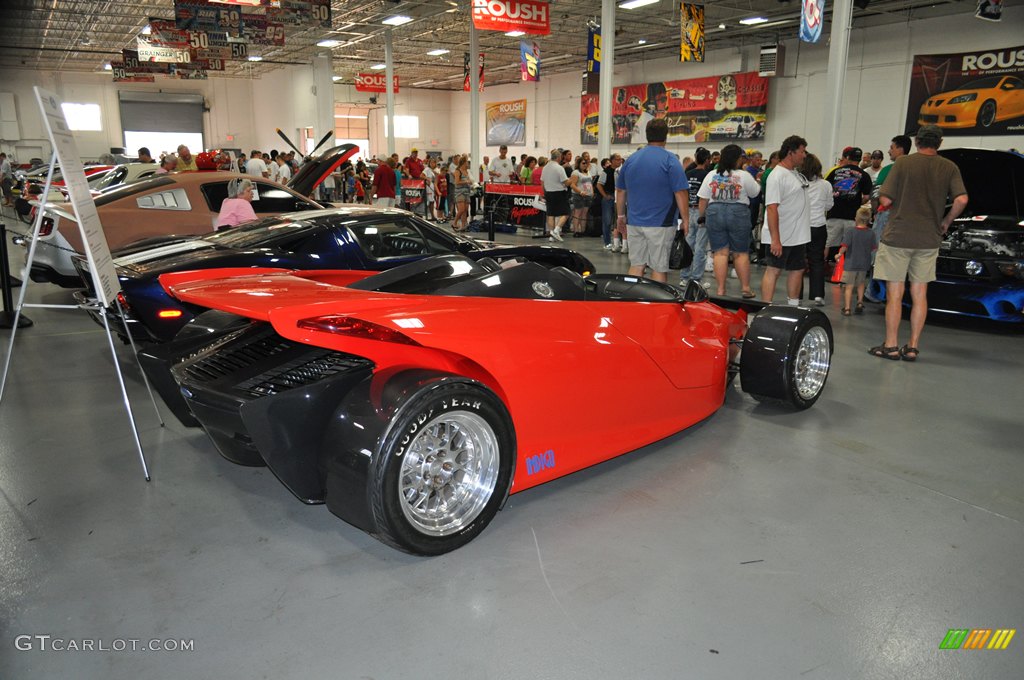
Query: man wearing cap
[
  {"x": 851, "y": 188},
  {"x": 875, "y": 164},
  {"x": 916, "y": 192},
  {"x": 413, "y": 164}
]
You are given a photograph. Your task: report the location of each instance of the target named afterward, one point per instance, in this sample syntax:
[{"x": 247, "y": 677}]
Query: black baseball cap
[{"x": 853, "y": 153}]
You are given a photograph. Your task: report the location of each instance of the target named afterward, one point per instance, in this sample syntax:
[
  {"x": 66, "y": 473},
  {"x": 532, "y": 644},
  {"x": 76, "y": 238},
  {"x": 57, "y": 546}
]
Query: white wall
[
  {"x": 230, "y": 102},
  {"x": 433, "y": 108}
]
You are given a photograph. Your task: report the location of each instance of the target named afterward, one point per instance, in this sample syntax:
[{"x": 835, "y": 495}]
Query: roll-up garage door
[{"x": 161, "y": 112}]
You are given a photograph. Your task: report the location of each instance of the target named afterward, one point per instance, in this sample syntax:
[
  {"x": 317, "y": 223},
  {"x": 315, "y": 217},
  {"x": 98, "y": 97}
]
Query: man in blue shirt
[{"x": 651, "y": 195}]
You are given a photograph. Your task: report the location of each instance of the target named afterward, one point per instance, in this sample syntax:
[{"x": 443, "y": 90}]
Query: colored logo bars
[
  {"x": 812, "y": 16},
  {"x": 977, "y": 638}
]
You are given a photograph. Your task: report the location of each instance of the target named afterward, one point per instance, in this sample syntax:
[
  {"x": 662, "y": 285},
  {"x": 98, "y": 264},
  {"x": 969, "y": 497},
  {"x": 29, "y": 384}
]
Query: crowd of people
[{"x": 733, "y": 203}]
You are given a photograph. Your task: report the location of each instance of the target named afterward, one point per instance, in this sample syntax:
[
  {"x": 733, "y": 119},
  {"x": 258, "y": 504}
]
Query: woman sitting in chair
[{"x": 237, "y": 207}]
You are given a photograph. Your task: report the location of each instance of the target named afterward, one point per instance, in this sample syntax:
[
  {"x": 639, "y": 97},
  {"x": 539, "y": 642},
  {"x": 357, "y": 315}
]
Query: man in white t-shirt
[
  {"x": 284, "y": 171},
  {"x": 501, "y": 169},
  {"x": 787, "y": 224},
  {"x": 255, "y": 165}
]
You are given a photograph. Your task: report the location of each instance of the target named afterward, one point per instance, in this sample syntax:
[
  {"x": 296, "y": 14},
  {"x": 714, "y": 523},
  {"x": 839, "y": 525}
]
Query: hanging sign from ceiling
[
  {"x": 200, "y": 15},
  {"x": 528, "y": 16},
  {"x": 374, "y": 82}
]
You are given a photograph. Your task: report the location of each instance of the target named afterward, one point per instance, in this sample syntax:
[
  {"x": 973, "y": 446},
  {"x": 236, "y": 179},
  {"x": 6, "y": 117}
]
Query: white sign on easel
[
  {"x": 97, "y": 252},
  {"x": 96, "y": 249}
]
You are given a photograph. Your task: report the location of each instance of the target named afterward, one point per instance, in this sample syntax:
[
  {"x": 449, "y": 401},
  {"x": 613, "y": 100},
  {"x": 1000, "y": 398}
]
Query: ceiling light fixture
[
  {"x": 336, "y": 78},
  {"x": 255, "y": 57},
  {"x": 328, "y": 42},
  {"x": 633, "y": 4},
  {"x": 378, "y": 67},
  {"x": 641, "y": 41},
  {"x": 515, "y": 34},
  {"x": 721, "y": 26},
  {"x": 147, "y": 29},
  {"x": 438, "y": 52},
  {"x": 397, "y": 20},
  {"x": 753, "y": 21},
  {"x": 107, "y": 66},
  {"x": 423, "y": 82}
]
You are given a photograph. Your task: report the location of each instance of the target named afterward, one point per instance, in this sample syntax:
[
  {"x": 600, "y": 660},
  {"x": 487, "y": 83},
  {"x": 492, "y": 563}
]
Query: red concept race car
[{"x": 411, "y": 401}]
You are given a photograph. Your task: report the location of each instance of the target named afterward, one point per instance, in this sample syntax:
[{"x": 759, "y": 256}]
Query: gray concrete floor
[{"x": 840, "y": 542}]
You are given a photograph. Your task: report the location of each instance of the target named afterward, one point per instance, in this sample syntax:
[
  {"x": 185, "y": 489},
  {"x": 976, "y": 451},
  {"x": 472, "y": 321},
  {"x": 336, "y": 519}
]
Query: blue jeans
[
  {"x": 607, "y": 219},
  {"x": 698, "y": 240}
]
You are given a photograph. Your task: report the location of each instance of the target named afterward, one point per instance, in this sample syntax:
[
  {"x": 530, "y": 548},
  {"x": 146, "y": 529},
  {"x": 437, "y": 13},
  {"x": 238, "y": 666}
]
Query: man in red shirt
[
  {"x": 384, "y": 183},
  {"x": 414, "y": 165}
]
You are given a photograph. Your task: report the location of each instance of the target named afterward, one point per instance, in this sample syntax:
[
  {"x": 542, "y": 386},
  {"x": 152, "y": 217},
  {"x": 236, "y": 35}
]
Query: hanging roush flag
[
  {"x": 529, "y": 53},
  {"x": 465, "y": 71},
  {"x": 989, "y": 10},
  {"x": 528, "y": 16},
  {"x": 812, "y": 16},
  {"x": 594, "y": 50},
  {"x": 691, "y": 43}
]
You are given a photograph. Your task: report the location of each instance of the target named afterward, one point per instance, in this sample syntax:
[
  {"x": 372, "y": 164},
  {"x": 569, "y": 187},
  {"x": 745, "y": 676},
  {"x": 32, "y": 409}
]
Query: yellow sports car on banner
[{"x": 981, "y": 104}]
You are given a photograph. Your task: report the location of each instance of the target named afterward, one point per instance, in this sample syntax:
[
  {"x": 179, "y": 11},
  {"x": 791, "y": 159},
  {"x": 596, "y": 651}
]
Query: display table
[{"x": 518, "y": 205}]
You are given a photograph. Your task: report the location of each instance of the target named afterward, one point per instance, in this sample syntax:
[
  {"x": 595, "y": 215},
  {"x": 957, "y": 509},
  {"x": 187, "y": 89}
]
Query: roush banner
[
  {"x": 968, "y": 93},
  {"x": 529, "y": 54},
  {"x": 691, "y": 43},
  {"x": 375, "y": 82},
  {"x": 594, "y": 50},
  {"x": 528, "y": 16},
  {"x": 812, "y": 16},
  {"x": 506, "y": 123},
  {"x": 465, "y": 71},
  {"x": 715, "y": 108}
]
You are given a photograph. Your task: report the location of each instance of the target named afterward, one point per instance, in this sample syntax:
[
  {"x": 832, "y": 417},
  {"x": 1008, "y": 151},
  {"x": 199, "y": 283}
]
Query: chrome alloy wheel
[
  {"x": 449, "y": 473},
  {"x": 813, "y": 357}
]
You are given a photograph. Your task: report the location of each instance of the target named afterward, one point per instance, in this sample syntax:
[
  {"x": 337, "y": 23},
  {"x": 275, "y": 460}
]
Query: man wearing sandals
[{"x": 915, "y": 192}]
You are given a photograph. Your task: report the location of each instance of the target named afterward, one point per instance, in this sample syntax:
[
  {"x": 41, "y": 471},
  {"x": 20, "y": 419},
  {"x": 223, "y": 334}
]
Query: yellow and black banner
[{"x": 691, "y": 43}]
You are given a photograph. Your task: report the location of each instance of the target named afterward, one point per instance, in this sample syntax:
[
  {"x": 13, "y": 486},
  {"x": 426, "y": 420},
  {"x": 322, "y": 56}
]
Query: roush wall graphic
[
  {"x": 714, "y": 108},
  {"x": 968, "y": 93},
  {"x": 506, "y": 123}
]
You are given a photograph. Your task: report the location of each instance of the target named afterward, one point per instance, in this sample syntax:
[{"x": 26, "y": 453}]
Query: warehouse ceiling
[{"x": 84, "y": 35}]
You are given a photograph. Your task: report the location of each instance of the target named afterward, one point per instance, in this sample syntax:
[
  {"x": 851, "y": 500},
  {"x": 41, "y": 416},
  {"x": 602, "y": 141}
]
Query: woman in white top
[
  {"x": 819, "y": 199},
  {"x": 581, "y": 184},
  {"x": 725, "y": 207}
]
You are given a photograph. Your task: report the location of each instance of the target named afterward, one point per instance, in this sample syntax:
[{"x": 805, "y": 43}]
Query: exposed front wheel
[
  {"x": 787, "y": 353},
  {"x": 444, "y": 469},
  {"x": 987, "y": 114}
]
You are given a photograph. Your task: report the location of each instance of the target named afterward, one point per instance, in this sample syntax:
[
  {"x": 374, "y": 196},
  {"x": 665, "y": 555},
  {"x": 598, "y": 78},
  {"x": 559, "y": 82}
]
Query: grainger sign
[{"x": 529, "y": 16}]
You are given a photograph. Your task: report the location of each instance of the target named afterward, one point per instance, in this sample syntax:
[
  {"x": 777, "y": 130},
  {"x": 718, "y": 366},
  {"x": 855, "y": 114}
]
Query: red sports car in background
[{"x": 414, "y": 401}]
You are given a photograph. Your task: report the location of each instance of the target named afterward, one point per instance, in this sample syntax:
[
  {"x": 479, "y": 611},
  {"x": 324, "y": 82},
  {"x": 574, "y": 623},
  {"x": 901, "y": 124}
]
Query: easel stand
[{"x": 96, "y": 251}]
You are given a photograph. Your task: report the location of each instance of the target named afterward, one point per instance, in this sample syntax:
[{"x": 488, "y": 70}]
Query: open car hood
[
  {"x": 314, "y": 171},
  {"x": 994, "y": 181}
]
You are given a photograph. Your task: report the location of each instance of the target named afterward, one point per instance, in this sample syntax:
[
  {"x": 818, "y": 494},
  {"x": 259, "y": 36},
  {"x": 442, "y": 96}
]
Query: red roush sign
[
  {"x": 529, "y": 16},
  {"x": 373, "y": 82}
]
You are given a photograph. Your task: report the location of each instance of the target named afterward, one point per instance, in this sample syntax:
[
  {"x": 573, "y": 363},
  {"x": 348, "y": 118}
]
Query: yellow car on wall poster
[{"x": 981, "y": 103}]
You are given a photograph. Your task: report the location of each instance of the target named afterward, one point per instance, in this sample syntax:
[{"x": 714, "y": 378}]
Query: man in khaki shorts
[{"x": 915, "y": 192}]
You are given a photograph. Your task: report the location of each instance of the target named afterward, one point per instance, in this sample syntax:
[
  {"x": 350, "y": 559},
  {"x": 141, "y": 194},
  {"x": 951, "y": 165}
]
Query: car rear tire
[
  {"x": 444, "y": 469},
  {"x": 987, "y": 114},
  {"x": 787, "y": 353}
]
